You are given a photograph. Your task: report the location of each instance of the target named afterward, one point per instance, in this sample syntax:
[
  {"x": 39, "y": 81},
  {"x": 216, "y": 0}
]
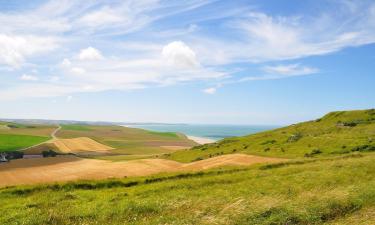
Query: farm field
[
  {"x": 11, "y": 142},
  {"x": 127, "y": 142},
  {"x": 335, "y": 190}
]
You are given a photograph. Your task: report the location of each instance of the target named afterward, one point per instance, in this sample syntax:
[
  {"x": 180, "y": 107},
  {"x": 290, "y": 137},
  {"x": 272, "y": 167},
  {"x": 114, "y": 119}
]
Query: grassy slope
[
  {"x": 337, "y": 190},
  {"x": 335, "y": 133},
  {"x": 17, "y": 136},
  {"x": 11, "y": 142},
  {"x": 128, "y": 141}
]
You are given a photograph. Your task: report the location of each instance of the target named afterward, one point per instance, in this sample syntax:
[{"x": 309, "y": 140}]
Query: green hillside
[
  {"x": 14, "y": 136},
  {"x": 336, "y": 190},
  {"x": 333, "y": 134}
]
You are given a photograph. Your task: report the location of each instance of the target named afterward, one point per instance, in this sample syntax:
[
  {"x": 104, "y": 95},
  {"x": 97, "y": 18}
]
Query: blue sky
[{"x": 193, "y": 61}]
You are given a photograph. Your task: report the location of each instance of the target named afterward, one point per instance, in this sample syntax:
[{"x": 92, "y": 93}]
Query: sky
[{"x": 193, "y": 61}]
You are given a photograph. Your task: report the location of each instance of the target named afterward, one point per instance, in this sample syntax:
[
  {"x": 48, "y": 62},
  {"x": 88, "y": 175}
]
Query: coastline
[{"x": 200, "y": 140}]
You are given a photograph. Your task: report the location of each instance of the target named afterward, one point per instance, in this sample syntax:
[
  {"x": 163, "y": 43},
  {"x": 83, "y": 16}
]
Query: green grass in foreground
[
  {"x": 11, "y": 142},
  {"x": 334, "y": 134},
  {"x": 337, "y": 190}
]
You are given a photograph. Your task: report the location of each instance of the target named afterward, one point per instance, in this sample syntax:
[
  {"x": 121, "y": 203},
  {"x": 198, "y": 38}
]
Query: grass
[
  {"x": 11, "y": 142},
  {"x": 77, "y": 127},
  {"x": 23, "y": 129},
  {"x": 334, "y": 190},
  {"x": 334, "y": 134}
]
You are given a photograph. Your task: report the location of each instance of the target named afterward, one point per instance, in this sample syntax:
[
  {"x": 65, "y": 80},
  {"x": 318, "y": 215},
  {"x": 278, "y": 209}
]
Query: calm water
[{"x": 215, "y": 132}]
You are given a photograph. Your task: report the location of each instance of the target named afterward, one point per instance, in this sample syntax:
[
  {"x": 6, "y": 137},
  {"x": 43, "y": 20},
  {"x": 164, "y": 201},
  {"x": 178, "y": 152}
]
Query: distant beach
[
  {"x": 203, "y": 134},
  {"x": 201, "y": 140}
]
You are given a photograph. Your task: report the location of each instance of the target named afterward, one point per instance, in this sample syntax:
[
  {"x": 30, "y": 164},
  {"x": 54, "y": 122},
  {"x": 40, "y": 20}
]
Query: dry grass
[
  {"x": 79, "y": 145},
  {"x": 66, "y": 168}
]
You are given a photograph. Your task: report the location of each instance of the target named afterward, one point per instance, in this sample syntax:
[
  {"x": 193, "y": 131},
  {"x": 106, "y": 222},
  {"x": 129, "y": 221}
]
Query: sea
[{"x": 214, "y": 132}]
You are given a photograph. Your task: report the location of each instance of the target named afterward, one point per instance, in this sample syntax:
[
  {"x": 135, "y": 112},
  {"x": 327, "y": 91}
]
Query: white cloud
[
  {"x": 27, "y": 77},
  {"x": 78, "y": 70},
  {"x": 14, "y": 49},
  {"x": 291, "y": 70},
  {"x": 143, "y": 60},
  {"x": 178, "y": 54},
  {"x": 90, "y": 53},
  {"x": 54, "y": 78},
  {"x": 210, "y": 91},
  {"x": 69, "y": 98},
  {"x": 101, "y": 17},
  {"x": 66, "y": 63}
]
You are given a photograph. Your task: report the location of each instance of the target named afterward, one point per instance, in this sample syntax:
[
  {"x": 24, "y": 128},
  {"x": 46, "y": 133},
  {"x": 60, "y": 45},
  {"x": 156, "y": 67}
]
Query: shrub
[
  {"x": 294, "y": 137},
  {"x": 364, "y": 148},
  {"x": 269, "y": 142},
  {"x": 49, "y": 153},
  {"x": 313, "y": 152},
  {"x": 13, "y": 155}
]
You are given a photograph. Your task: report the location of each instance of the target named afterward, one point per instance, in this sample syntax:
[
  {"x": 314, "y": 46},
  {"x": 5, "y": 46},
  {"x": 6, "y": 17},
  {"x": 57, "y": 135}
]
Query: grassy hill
[
  {"x": 329, "y": 180},
  {"x": 15, "y": 136},
  {"x": 334, "y": 134},
  {"x": 335, "y": 190}
]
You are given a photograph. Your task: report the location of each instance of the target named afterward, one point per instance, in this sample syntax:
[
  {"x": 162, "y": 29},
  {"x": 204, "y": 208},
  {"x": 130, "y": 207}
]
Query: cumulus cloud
[
  {"x": 210, "y": 91},
  {"x": 78, "y": 70},
  {"x": 178, "y": 54},
  {"x": 66, "y": 63},
  {"x": 14, "y": 49},
  {"x": 143, "y": 59},
  {"x": 90, "y": 53},
  {"x": 27, "y": 77}
]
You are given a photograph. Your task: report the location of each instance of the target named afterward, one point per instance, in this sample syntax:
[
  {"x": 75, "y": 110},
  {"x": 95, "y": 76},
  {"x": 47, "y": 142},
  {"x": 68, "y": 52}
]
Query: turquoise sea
[{"x": 215, "y": 132}]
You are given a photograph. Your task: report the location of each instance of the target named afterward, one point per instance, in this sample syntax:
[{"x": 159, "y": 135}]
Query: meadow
[
  {"x": 334, "y": 190},
  {"x": 11, "y": 142},
  {"x": 336, "y": 133}
]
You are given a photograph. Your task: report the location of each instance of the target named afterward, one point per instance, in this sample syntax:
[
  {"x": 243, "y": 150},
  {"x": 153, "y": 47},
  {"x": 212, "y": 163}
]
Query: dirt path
[
  {"x": 53, "y": 136},
  {"x": 67, "y": 168}
]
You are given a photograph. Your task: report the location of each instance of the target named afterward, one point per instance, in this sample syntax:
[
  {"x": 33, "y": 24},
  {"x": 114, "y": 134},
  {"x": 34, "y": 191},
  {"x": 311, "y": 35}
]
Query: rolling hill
[
  {"x": 329, "y": 178},
  {"x": 103, "y": 141},
  {"x": 334, "y": 134}
]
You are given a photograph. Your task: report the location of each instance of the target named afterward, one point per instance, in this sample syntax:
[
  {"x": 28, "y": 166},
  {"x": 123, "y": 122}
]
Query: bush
[
  {"x": 313, "y": 152},
  {"x": 49, "y": 153},
  {"x": 13, "y": 155},
  {"x": 364, "y": 148},
  {"x": 269, "y": 142},
  {"x": 295, "y": 137}
]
